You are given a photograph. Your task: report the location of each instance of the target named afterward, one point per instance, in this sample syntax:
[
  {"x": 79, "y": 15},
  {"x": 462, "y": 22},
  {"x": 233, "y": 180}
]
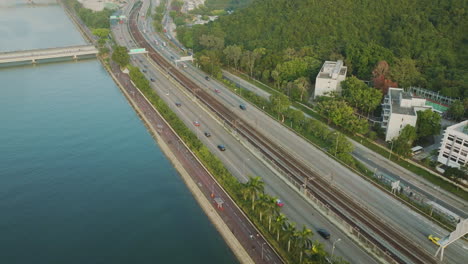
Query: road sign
[{"x": 137, "y": 51}]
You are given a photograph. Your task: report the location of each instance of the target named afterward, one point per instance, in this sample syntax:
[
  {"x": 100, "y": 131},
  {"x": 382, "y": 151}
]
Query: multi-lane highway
[
  {"x": 386, "y": 206},
  {"x": 238, "y": 159}
]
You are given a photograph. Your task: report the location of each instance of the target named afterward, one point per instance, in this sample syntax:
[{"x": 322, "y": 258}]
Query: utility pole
[{"x": 333, "y": 248}]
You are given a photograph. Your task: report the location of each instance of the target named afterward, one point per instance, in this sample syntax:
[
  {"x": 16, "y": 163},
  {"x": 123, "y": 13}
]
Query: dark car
[
  {"x": 152, "y": 79},
  {"x": 222, "y": 147},
  {"x": 144, "y": 71},
  {"x": 145, "y": 66},
  {"x": 242, "y": 106},
  {"x": 207, "y": 134},
  {"x": 172, "y": 57},
  {"x": 178, "y": 104},
  {"x": 324, "y": 233},
  {"x": 207, "y": 78}
]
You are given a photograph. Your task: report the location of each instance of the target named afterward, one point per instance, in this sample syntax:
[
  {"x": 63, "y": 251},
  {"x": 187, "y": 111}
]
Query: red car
[
  {"x": 279, "y": 203},
  {"x": 196, "y": 123},
  {"x": 217, "y": 90}
]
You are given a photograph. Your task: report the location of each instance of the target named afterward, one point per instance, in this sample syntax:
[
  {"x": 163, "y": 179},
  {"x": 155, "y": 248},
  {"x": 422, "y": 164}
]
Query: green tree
[
  {"x": 405, "y": 72},
  {"x": 253, "y": 188},
  {"x": 457, "y": 110},
  {"x": 280, "y": 103},
  {"x": 336, "y": 111},
  {"x": 212, "y": 42},
  {"x": 402, "y": 144},
  {"x": 303, "y": 241},
  {"x": 262, "y": 204},
  {"x": 120, "y": 56},
  {"x": 250, "y": 57},
  {"x": 279, "y": 224},
  {"x": 233, "y": 54},
  {"x": 101, "y": 32},
  {"x": 272, "y": 210},
  {"x": 303, "y": 84},
  {"x": 427, "y": 124},
  {"x": 289, "y": 233}
]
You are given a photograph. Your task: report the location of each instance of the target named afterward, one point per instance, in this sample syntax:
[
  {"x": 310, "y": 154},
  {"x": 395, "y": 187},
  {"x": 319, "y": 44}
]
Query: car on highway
[
  {"x": 172, "y": 57},
  {"x": 196, "y": 123},
  {"x": 184, "y": 65},
  {"x": 217, "y": 90},
  {"x": 221, "y": 147},
  {"x": 434, "y": 239},
  {"x": 145, "y": 66},
  {"x": 242, "y": 106},
  {"x": 144, "y": 70},
  {"x": 207, "y": 78},
  {"x": 207, "y": 134},
  {"x": 178, "y": 104},
  {"x": 324, "y": 233},
  {"x": 140, "y": 60},
  {"x": 279, "y": 203},
  {"x": 151, "y": 79}
]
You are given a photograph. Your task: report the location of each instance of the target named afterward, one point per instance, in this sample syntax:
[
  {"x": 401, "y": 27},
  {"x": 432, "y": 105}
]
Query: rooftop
[
  {"x": 332, "y": 69},
  {"x": 395, "y": 99},
  {"x": 460, "y": 127}
]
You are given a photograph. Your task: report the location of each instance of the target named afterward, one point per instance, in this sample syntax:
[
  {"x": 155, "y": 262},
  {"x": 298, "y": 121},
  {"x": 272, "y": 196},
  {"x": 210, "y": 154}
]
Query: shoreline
[{"x": 220, "y": 225}]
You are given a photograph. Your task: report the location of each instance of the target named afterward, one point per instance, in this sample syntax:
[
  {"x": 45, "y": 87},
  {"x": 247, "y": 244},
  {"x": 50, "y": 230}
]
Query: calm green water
[{"x": 81, "y": 179}]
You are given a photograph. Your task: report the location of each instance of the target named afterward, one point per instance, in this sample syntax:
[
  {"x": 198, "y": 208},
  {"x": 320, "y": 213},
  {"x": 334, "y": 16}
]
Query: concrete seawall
[{"x": 204, "y": 203}]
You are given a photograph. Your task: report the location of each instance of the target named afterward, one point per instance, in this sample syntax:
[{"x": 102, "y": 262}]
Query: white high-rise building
[
  {"x": 454, "y": 147},
  {"x": 400, "y": 109},
  {"x": 329, "y": 78}
]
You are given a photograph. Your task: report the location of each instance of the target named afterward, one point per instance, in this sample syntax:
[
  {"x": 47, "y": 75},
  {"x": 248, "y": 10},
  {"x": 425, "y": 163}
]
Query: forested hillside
[{"x": 425, "y": 42}]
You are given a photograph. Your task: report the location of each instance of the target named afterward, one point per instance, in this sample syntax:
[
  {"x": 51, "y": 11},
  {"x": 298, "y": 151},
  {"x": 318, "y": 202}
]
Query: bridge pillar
[
  {"x": 33, "y": 61},
  {"x": 75, "y": 57}
]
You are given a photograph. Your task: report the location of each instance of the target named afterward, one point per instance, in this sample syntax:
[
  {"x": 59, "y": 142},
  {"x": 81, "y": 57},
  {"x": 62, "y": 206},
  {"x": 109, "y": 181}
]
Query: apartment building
[
  {"x": 400, "y": 109},
  {"x": 329, "y": 78},
  {"x": 454, "y": 147}
]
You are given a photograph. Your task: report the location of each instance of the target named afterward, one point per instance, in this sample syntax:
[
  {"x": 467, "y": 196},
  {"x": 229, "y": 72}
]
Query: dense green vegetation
[
  {"x": 91, "y": 18},
  {"x": 424, "y": 42},
  {"x": 295, "y": 245}
]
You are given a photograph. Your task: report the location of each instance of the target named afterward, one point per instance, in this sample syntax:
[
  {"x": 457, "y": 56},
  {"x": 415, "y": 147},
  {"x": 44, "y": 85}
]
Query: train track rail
[{"x": 342, "y": 205}]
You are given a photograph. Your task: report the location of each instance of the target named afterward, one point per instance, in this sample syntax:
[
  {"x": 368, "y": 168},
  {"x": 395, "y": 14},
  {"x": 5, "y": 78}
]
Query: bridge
[{"x": 72, "y": 52}]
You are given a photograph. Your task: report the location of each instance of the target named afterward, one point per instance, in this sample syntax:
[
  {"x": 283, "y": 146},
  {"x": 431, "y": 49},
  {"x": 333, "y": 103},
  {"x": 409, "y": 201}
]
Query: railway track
[{"x": 347, "y": 208}]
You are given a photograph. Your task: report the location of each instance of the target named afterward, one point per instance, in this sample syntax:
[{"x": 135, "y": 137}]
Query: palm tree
[
  {"x": 262, "y": 203},
  {"x": 303, "y": 241},
  {"x": 255, "y": 186},
  {"x": 288, "y": 233},
  {"x": 272, "y": 210},
  {"x": 279, "y": 224}
]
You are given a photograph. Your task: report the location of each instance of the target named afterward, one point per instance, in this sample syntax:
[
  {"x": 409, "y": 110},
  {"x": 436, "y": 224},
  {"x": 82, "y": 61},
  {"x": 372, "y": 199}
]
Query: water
[{"x": 81, "y": 179}]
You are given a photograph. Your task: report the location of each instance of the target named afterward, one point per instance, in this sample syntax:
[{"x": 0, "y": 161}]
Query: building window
[
  {"x": 445, "y": 155},
  {"x": 450, "y": 137},
  {"x": 459, "y": 141},
  {"x": 453, "y": 158},
  {"x": 465, "y": 143}
]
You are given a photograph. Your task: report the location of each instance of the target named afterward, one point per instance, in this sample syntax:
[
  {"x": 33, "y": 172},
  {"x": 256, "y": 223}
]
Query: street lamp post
[
  {"x": 336, "y": 148},
  {"x": 262, "y": 248},
  {"x": 391, "y": 149},
  {"x": 333, "y": 248}
]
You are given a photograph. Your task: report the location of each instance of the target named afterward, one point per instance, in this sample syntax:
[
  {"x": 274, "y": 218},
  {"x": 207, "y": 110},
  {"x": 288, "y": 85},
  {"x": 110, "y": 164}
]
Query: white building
[
  {"x": 454, "y": 147},
  {"x": 329, "y": 78},
  {"x": 400, "y": 109}
]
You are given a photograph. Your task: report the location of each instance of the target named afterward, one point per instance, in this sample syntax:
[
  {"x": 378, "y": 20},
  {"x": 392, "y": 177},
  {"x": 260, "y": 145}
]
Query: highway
[
  {"x": 391, "y": 210},
  {"x": 375, "y": 162},
  {"x": 240, "y": 161}
]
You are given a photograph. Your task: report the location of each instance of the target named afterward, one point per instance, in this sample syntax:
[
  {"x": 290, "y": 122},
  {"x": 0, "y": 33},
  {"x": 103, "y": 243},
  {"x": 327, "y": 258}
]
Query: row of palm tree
[{"x": 297, "y": 243}]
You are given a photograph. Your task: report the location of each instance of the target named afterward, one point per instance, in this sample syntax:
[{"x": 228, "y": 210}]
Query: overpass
[{"x": 72, "y": 52}]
